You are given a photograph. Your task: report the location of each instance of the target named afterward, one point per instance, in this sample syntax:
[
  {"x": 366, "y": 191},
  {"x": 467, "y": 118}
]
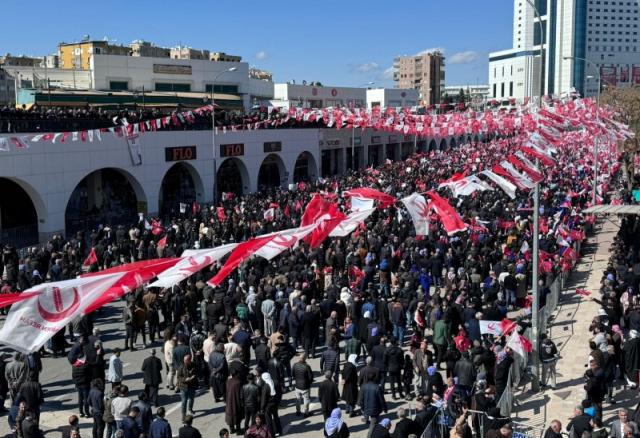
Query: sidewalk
[{"x": 570, "y": 331}]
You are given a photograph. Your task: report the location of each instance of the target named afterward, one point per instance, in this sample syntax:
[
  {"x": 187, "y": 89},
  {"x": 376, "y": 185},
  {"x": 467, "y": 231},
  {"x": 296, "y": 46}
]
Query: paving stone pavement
[{"x": 570, "y": 331}]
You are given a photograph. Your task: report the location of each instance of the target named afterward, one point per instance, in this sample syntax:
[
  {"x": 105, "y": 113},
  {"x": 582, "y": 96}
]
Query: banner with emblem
[{"x": 32, "y": 322}]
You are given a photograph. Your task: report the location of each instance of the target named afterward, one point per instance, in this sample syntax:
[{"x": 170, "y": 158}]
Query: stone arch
[
  {"x": 476, "y": 139},
  {"x": 20, "y": 221},
  {"x": 305, "y": 161},
  {"x": 433, "y": 145},
  {"x": 452, "y": 143},
  {"x": 232, "y": 176},
  {"x": 443, "y": 144},
  {"x": 272, "y": 172},
  {"x": 185, "y": 185},
  {"x": 103, "y": 197}
]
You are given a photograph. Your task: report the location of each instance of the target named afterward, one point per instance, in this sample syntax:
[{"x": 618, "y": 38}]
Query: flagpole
[{"x": 535, "y": 383}]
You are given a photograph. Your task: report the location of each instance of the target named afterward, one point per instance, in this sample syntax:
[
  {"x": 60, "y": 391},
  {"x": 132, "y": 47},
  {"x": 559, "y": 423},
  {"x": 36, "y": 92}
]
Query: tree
[
  {"x": 626, "y": 101},
  {"x": 446, "y": 99}
]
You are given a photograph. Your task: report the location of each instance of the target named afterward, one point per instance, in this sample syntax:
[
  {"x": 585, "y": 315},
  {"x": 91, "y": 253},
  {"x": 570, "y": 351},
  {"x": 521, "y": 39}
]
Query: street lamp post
[
  {"x": 213, "y": 131},
  {"x": 535, "y": 305},
  {"x": 595, "y": 140}
]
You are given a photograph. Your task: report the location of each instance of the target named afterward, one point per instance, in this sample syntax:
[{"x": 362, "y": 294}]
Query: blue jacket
[{"x": 160, "y": 428}]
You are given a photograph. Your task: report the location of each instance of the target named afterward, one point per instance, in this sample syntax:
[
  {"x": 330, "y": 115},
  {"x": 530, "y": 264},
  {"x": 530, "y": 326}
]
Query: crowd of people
[
  {"x": 64, "y": 119},
  {"x": 408, "y": 326}
]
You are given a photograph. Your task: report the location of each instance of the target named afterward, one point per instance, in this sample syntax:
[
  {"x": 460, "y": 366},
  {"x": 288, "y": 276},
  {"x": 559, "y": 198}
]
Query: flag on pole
[
  {"x": 91, "y": 259},
  {"x": 419, "y": 210},
  {"x": 490, "y": 328}
]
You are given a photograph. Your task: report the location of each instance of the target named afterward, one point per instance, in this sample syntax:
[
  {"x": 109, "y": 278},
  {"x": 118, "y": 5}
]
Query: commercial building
[
  {"x": 424, "y": 72},
  {"x": 317, "y": 96},
  {"x": 474, "y": 93},
  {"x": 223, "y": 57},
  {"x": 7, "y": 89},
  {"x": 63, "y": 187},
  {"x": 392, "y": 97},
  {"x": 149, "y": 50},
  {"x": 77, "y": 56},
  {"x": 603, "y": 32}
]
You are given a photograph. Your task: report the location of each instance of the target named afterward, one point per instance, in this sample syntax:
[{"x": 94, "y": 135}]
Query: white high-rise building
[{"x": 604, "y": 32}]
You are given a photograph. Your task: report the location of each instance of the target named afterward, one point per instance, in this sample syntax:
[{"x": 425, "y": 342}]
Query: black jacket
[
  {"x": 406, "y": 427},
  {"x": 328, "y": 395},
  {"x": 152, "y": 369},
  {"x": 302, "y": 375},
  {"x": 96, "y": 401},
  {"x": 250, "y": 396},
  {"x": 465, "y": 372},
  {"x": 189, "y": 432},
  {"x": 371, "y": 400},
  {"x": 394, "y": 359}
]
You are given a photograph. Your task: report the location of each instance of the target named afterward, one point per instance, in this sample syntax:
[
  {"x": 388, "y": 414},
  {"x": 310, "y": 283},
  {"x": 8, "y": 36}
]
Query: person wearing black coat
[
  {"x": 250, "y": 399},
  {"x": 309, "y": 325},
  {"x": 188, "y": 431},
  {"x": 465, "y": 372},
  {"x": 219, "y": 372},
  {"x": 152, "y": 377},
  {"x": 371, "y": 400},
  {"x": 328, "y": 395},
  {"x": 350, "y": 387},
  {"x": 96, "y": 405},
  {"x": 394, "y": 363},
  {"x": 81, "y": 380},
  {"x": 406, "y": 426}
]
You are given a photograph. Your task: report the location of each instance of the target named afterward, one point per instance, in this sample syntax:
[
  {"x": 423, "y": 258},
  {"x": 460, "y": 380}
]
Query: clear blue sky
[{"x": 344, "y": 43}]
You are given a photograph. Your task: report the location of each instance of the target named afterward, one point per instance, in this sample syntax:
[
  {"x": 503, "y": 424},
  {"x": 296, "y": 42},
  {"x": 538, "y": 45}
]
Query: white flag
[
  {"x": 507, "y": 186},
  {"x": 269, "y": 214},
  {"x": 360, "y": 204},
  {"x": 192, "y": 261},
  {"x": 352, "y": 222},
  {"x": 74, "y": 136},
  {"x": 33, "y": 321},
  {"x": 183, "y": 207},
  {"x": 490, "y": 328},
  {"x": 419, "y": 210},
  {"x": 283, "y": 240}
]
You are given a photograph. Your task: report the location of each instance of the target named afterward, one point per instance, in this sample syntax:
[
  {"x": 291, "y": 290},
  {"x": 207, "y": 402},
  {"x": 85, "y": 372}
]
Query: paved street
[
  {"x": 570, "y": 332},
  {"x": 61, "y": 398}
]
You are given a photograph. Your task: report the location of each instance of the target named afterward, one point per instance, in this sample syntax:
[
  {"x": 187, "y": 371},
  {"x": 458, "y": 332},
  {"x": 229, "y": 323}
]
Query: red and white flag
[
  {"x": 534, "y": 174},
  {"x": 490, "y": 328},
  {"x": 451, "y": 220},
  {"x": 135, "y": 275},
  {"x": 91, "y": 259},
  {"x": 352, "y": 222},
  {"x": 241, "y": 253},
  {"x": 220, "y": 213},
  {"x": 583, "y": 292},
  {"x": 368, "y": 193},
  {"x": 323, "y": 213},
  {"x": 521, "y": 178},
  {"x": 360, "y": 204},
  {"x": 419, "y": 210},
  {"x": 519, "y": 344},
  {"x": 283, "y": 240},
  {"x": 509, "y": 188},
  {"x": 162, "y": 243},
  {"x": 33, "y": 321},
  {"x": 192, "y": 261},
  {"x": 269, "y": 214}
]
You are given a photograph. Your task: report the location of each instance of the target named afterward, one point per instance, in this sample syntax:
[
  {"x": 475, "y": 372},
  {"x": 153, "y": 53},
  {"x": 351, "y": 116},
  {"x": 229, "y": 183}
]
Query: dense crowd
[
  {"x": 408, "y": 325},
  {"x": 65, "y": 119}
]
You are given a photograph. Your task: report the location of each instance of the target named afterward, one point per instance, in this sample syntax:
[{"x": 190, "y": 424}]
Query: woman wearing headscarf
[
  {"x": 269, "y": 401},
  {"x": 334, "y": 427},
  {"x": 350, "y": 388}
]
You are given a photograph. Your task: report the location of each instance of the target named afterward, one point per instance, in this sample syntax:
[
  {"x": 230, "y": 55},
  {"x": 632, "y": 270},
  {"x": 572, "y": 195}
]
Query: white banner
[
  {"x": 32, "y": 322},
  {"x": 283, "y": 240},
  {"x": 504, "y": 184},
  {"x": 352, "y": 222},
  {"x": 419, "y": 211},
  {"x": 490, "y": 328},
  {"x": 192, "y": 261},
  {"x": 360, "y": 204},
  {"x": 135, "y": 148}
]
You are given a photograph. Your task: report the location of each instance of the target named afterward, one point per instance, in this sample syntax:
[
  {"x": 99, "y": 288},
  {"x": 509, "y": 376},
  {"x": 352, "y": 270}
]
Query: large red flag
[
  {"x": 535, "y": 175},
  {"x": 544, "y": 159},
  {"x": 451, "y": 221},
  {"x": 91, "y": 258},
  {"x": 323, "y": 213},
  {"x": 221, "y": 215}
]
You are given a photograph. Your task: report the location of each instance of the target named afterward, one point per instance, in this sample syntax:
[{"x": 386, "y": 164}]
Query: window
[
  {"x": 510, "y": 88},
  {"x": 230, "y": 89},
  {"x": 502, "y": 89},
  {"x": 494, "y": 90},
  {"x": 118, "y": 85},
  {"x": 167, "y": 86}
]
